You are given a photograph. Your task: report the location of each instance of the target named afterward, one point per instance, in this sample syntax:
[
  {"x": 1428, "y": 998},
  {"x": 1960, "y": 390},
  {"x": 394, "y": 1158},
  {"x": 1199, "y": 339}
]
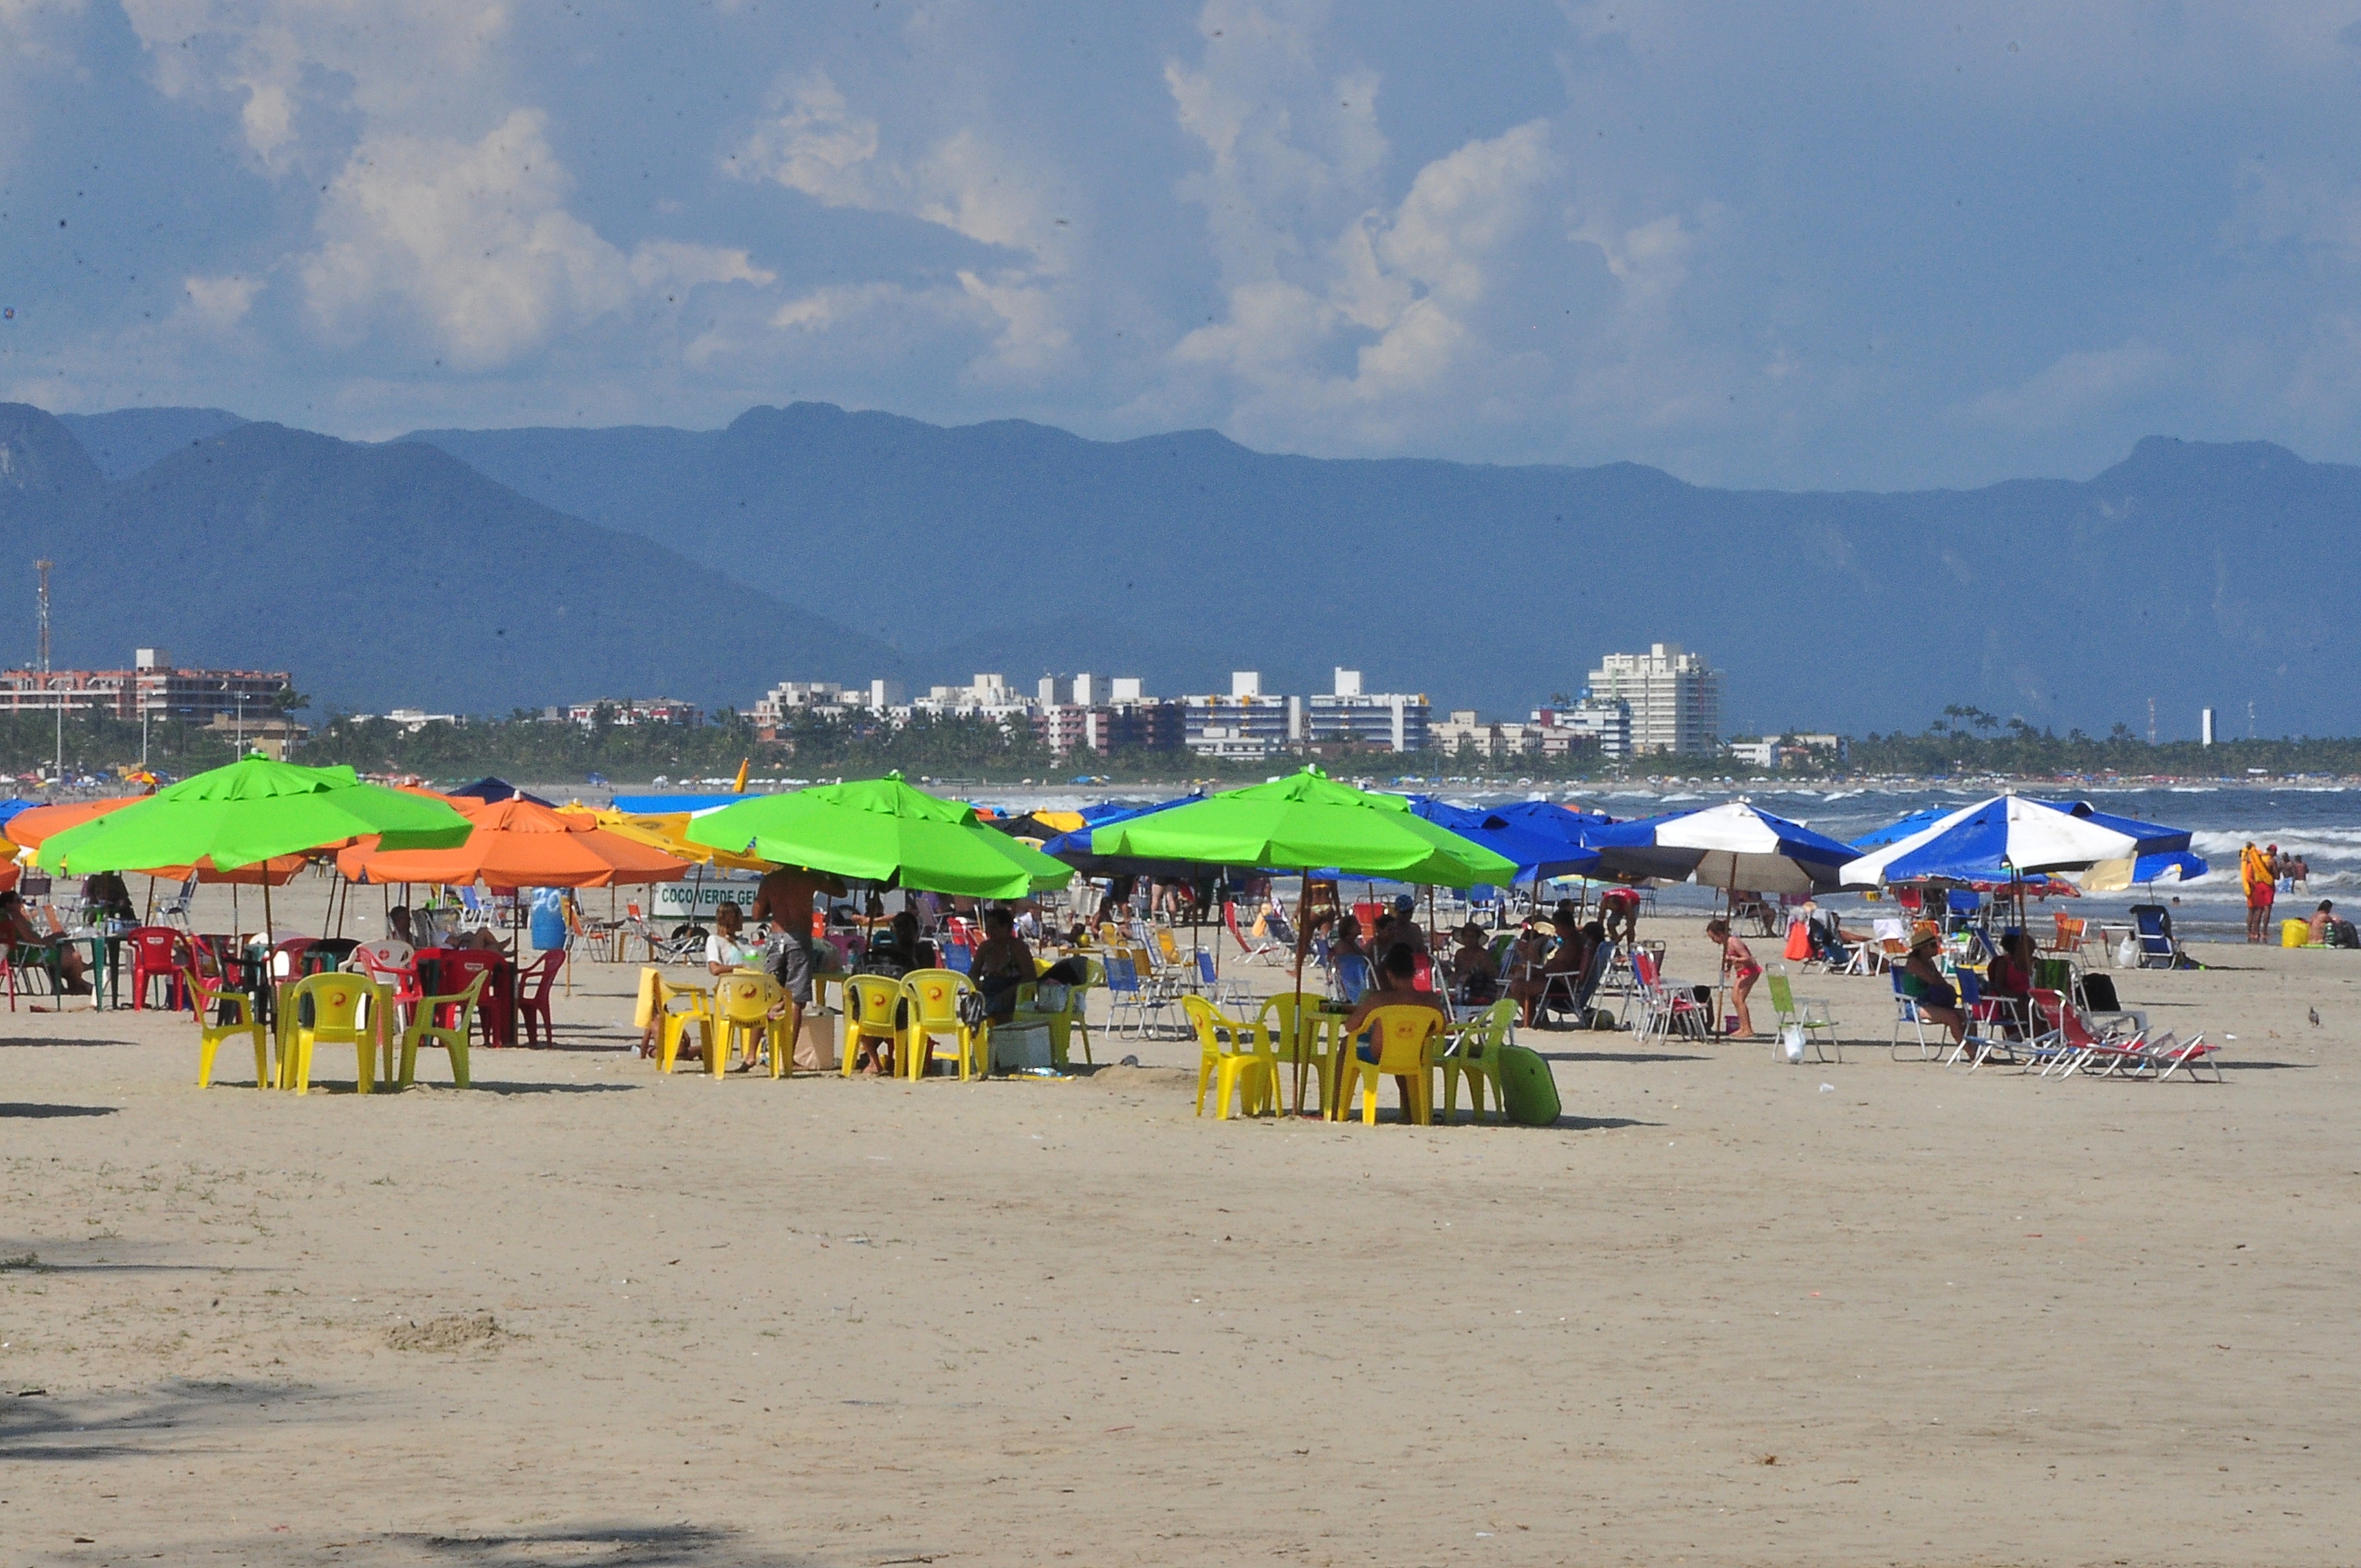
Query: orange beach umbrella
[
  {"x": 517, "y": 843},
  {"x": 26, "y": 829}
]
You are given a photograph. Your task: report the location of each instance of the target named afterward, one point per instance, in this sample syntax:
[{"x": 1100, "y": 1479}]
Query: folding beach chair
[
  {"x": 2158, "y": 947},
  {"x": 1253, "y": 948},
  {"x": 175, "y": 909}
]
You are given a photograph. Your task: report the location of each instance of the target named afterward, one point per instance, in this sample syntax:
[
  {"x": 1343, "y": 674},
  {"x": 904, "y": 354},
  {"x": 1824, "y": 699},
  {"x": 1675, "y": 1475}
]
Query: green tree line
[{"x": 524, "y": 746}]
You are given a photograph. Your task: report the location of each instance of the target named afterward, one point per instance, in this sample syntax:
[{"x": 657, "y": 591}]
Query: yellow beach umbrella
[{"x": 665, "y": 832}]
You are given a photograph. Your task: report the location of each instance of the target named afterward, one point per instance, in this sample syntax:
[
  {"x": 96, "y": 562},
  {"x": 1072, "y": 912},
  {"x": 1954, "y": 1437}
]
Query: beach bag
[
  {"x": 2127, "y": 953},
  {"x": 814, "y": 1048},
  {"x": 1528, "y": 1090},
  {"x": 1799, "y": 942}
]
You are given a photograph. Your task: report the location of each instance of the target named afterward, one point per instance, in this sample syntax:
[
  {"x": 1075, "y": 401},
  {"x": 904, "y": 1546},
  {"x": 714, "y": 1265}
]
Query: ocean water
[{"x": 2321, "y": 823}]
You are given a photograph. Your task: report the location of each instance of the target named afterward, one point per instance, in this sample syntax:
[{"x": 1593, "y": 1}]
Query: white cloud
[
  {"x": 658, "y": 263},
  {"x": 220, "y": 302},
  {"x": 2073, "y": 387},
  {"x": 471, "y": 241},
  {"x": 279, "y": 59},
  {"x": 813, "y": 143}
]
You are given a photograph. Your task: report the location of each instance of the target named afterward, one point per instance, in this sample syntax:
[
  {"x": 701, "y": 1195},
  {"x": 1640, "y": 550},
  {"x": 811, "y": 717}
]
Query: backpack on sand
[{"x": 1528, "y": 1090}]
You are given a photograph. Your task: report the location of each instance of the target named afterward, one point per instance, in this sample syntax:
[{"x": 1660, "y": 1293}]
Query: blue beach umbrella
[{"x": 1539, "y": 849}]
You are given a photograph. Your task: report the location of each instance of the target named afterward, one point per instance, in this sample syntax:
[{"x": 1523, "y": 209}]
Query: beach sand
[{"x": 1727, "y": 1310}]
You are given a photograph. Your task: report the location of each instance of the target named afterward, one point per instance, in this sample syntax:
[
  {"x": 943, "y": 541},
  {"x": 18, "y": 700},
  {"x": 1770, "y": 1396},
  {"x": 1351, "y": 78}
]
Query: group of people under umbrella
[{"x": 257, "y": 817}]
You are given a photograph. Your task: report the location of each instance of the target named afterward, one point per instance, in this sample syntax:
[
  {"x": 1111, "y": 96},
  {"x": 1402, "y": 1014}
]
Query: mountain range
[
  {"x": 812, "y": 542},
  {"x": 381, "y": 576}
]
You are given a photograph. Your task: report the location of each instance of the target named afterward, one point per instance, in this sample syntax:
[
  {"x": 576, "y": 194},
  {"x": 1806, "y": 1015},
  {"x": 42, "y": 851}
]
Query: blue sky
[{"x": 1835, "y": 245}]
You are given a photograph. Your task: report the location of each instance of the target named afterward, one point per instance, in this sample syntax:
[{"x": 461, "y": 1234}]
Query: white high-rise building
[{"x": 1674, "y": 699}]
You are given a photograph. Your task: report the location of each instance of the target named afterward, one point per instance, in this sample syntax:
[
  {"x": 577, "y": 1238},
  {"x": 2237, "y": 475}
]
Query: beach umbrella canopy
[
  {"x": 1729, "y": 846},
  {"x": 666, "y": 832},
  {"x": 10, "y": 809},
  {"x": 278, "y": 872},
  {"x": 251, "y": 810},
  {"x": 1074, "y": 847},
  {"x": 1569, "y": 825},
  {"x": 1307, "y": 820},
  {"x": 1992, "y": 841},
  {"x": 1537, "y": 854},
  {"x": 31, "y": 829},
  {"x": 489, "y": 789},
  {"x": 1901, "y": 828},
  {"x": 882, "y": 830},
  {"x": 519, "y": 843}
]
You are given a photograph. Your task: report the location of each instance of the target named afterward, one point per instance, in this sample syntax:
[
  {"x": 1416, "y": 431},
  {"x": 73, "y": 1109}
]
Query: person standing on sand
[
  {"x": 785, "y": 898},
  {"x": 2260, "y": 879}
]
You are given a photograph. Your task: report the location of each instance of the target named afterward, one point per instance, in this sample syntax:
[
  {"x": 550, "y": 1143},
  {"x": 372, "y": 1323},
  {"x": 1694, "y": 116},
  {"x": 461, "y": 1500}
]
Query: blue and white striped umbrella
[
  {"x": 1993, "y": 840},
  {"x": 1731, "y": 846}
]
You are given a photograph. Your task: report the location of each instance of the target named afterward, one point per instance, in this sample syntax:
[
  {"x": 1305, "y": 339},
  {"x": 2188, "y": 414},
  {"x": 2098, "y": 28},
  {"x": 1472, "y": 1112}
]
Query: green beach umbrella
[
  {"x": 249, "y": 811},
  {"x": 882, "y": 830},
  {"x": 1308, "y": 821}
]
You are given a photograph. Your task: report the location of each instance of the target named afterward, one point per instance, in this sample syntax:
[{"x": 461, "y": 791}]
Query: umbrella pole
[
  {"x": 1302, "y": 941},
  {"x": 150, "y": 918}
]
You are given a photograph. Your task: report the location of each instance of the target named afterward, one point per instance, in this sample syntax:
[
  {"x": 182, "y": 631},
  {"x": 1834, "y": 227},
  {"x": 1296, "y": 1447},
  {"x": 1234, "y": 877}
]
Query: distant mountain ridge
[
  {"x": 128, "y": 440},
  {"x": 2190, "y": 573},
  {"x": 381, "y": 576}
]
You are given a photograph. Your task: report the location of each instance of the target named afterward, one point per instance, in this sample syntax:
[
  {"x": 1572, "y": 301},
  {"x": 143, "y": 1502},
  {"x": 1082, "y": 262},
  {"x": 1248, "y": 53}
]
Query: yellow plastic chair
[
  {"x": 211, "y": 1031},
  {"x": 1405, "y": 1038},
  {"x": 869, "y": 1002},
  {"x": 933, "y": 995},
  {"x": 347, "y": 1010},
  {"x": 1299, "y": 1038},
  {"x": 673, "y": 1023},
  {"x": 742, "y": 1006},
  {"x": 1235, "y": 1058},
  {"x": 452, "y": 1037},
  {"x": 1476, "y": 1056},
  {"x": 1062, "y": 1022}
]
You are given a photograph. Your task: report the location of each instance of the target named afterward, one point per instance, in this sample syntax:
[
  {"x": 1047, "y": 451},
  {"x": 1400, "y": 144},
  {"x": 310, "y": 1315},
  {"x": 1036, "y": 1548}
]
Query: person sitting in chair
[
  {"x": 2328, "y": 931},
  {"x": 1924, "y": 984},
  {"x": 1002, "y": 963},
  {"x": 2009, "y": 977},
  {"x": 104, "y": 897},
  {"x": 1391, "y": 988},
  {"x": 1529, "y": 971},
  {"x": 1474, "y": 974},
  {"x": 16, "y": 930}
]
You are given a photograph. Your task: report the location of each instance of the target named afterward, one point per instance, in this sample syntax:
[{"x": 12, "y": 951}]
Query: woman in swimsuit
[{"x": 1738, "y": 966}]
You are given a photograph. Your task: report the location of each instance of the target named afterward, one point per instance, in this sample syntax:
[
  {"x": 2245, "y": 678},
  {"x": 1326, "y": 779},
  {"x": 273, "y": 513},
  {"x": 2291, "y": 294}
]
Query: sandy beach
[{"x": 1727, "y": 1310}]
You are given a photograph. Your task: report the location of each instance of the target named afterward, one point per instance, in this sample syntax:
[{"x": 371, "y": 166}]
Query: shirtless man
[{"x": 785, "y": 898}]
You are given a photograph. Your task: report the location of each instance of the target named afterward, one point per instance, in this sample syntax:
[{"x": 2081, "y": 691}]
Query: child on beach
[{"x": 1739, "y": 967}]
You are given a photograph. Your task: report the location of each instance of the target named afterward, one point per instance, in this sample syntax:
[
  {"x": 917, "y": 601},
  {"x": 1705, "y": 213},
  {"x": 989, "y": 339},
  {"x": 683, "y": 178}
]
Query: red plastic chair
[
  {"x": 532, "y": 998},
  {"x": 495, "y": 1007},
  {"x": 158, "y": 952}
]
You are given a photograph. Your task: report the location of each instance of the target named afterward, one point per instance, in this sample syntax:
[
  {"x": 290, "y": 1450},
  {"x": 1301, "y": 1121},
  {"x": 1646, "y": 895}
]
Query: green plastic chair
[
  {"x": 452, "y": 1037},
  {"x": 1476, "y": 1058},
  {"x": 1811, "y": 1016}
]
